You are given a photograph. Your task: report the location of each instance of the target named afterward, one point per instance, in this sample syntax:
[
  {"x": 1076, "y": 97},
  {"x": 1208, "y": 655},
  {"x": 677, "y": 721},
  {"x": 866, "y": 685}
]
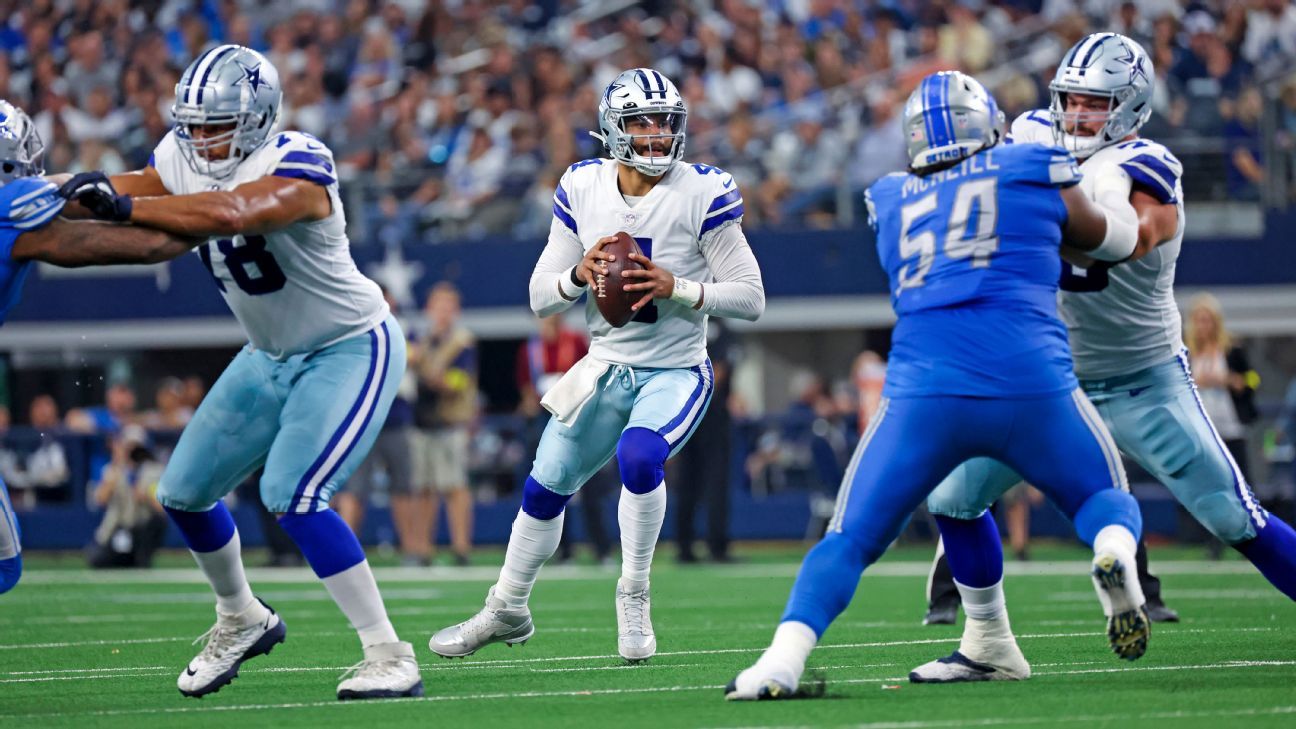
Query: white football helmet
[
  {"x": 638, "y": 92},
  {"x": 21, "y": 148},
  {"x": 1103, "y": 64}
]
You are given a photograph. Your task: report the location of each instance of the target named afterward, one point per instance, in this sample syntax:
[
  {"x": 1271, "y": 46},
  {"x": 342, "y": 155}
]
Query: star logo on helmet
[
  {"x": 1139, "y": 69},
  {"x": 252, "y": 77}
]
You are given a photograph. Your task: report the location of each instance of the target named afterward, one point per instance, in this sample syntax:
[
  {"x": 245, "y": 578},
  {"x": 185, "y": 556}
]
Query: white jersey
[
  {"x": 1124, "y": 318},
  {"x": 673, "y": 224},
  {"x": 295, "y": 289}
]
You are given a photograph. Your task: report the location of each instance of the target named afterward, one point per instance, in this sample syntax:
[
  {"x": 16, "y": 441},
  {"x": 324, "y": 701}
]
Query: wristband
[
  {"x": 570, "y": 287},
  {"x": 686, "y": 292}
]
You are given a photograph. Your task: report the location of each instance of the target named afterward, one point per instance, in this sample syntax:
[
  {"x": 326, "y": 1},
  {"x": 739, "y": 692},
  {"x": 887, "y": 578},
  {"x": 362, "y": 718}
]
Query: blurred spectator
[
  {"x": 868, "y": 374},
  {"x": 133, "y": 524},
  {"x": 1246, "y": 172},
  {"x": 1225, "y": 381},
  {"x": 28, "y": 471},
  {"x": 964, "y": 42},
  {"x": 170, "y": 412},
  {"x": 194, "y": 390},
  {"x": 391, "y": 454},
  {"x": 1270, "y": 42},
  {"x": 881, "y": 148},
  {"x": 445, "y": 361},
  {"x": 118, "y": 410}
]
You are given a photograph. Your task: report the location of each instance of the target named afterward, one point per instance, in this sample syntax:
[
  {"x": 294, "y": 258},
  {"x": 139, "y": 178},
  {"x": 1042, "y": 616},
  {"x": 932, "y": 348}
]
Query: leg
[
  {"x": 420, "y": 518},
  {"x": 942, "y": 595},
  {"x": 454, "y": 457},
  {"x": 336, "y": 402},
  {"x": 567, "y": 456},
  {"x": 687, "y": 493},
  {"x": 10, "y": 544},
  {"x": 715, "y": 493},
  {"x": 892, "y": 470}
]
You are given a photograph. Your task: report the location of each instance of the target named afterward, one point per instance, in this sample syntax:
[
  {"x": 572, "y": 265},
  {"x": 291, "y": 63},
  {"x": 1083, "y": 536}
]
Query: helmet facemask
[
  {"x": 243, "y": 137},
  {"x": 623, "y": 147},
  {"x": 21, "y": 148}
]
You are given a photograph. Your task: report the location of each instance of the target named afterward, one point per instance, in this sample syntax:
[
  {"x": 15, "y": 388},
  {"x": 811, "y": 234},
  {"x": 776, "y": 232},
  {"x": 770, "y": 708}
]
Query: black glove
[{"x": 95, "y": 192}]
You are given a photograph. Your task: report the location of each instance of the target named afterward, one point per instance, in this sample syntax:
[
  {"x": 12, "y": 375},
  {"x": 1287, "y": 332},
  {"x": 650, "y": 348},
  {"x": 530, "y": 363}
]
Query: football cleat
[
  {"x": 231, "y": 641},
  {"x": 635, "y": 639},
  {"x": 495, "y": 623},
  {"x": 1128, "y": 626},
  {"x": 1159, "y": 612},
  {"x": 958, "y": 668},
  {"x": 388, "y": 671},
  {"x": 766, "y": 681},
  {"x": 942, "y": 614}
]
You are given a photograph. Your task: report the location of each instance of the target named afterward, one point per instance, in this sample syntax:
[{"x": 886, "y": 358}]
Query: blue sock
[
  {"x": 1106, "y": 508},
  {"x": 325, "y": 540},
  {"x": 540, "y": 502},
  {"x": 641, "y": 456},
  {"x": 204, "y": 531},
  {"x": 10, "y": 572},
  {"x": 1273, "y": 552},
  {"x": 973, "y": 549},
  {"x": 827, "y": 581}
]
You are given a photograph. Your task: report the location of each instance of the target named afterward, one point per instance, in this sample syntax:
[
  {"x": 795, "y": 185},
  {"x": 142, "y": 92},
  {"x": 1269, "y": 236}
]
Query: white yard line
[{"x": 1118, "y": 719}]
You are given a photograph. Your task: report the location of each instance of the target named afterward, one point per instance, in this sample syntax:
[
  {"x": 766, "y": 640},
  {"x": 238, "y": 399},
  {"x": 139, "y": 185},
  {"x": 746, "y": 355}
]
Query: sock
[
  {"x": 973, "y": 549},
  {"x": 532, "y": 542},
  {"x": 983, "y": 603},
  {"x": 791, "y": 646},
  {"x": 640, "y": 517},
  {"x": 10, "y": 572},
  {"x": 1116, "y": 539},
  {"x": 214, "y": 542},
  {"x": 1273, "y": 552},
  {"x": 980, "y": 635},
  {"x": 332, "y": 550}
]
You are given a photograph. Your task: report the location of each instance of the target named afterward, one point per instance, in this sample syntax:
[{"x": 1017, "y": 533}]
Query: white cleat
[
  {"x": 231, "y": 641},
  {"x": 988, "y": 652},
  {"x": 635, "y": 639},
  {"x": 494, "y": 624},
  {"x": 764, "y": 681},
  {"x": 1128, "y": 626},
  {"x": 388, "y": 671}
]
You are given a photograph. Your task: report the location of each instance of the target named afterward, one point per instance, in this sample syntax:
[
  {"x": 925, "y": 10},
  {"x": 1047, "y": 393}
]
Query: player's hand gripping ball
[{"x": 614, "y": 303}]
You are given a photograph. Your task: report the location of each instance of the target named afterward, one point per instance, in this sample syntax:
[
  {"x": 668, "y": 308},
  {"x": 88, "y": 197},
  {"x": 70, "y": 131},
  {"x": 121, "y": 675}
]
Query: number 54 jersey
[
  {"x": 972, "y": 257},
  {"x": 295, "y": 289}
]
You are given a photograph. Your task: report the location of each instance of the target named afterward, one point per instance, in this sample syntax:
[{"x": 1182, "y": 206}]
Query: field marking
[
  {"x": 677, "y": 689},
  {"x": 1074, "y": 719},
  {"x": 585, "y": 573}
]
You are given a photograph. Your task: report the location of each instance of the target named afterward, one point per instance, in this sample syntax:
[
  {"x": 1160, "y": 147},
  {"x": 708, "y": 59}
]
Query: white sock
[
  {"x": 224, "y": 570},
  {"x": 640, "y": 517},
  {"x": 356, "y": 593},
  {"x": 791, "y": 646},
  {"x": 531, "y": 543},
  {"x": 1119, "y": 541},
  {"x": 983, "y": 603}
]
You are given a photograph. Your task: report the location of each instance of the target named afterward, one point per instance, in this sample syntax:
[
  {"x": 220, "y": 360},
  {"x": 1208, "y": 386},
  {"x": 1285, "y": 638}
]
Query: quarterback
[
  {"x": 643, "y": 388},
  {"x": 306, "y": 397},
  {"x": 1129, "y": 358}
]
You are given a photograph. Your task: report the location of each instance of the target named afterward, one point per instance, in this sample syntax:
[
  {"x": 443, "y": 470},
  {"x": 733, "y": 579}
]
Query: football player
[
  {"x": 644, "y": 387},
  {"x": 1129, "y": 357},
  {"x": 31, "y": 230},
  {"x": 306, "y": 397},
  {"x": 979, "y": 363}
]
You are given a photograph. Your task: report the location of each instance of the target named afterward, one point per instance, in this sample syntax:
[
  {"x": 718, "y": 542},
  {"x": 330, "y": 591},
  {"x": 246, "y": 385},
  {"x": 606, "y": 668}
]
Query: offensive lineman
[
  {"x": 643, "y": 388},
  {"x": 1129, "y": 357},
  {"x": 307, "y": 396}
]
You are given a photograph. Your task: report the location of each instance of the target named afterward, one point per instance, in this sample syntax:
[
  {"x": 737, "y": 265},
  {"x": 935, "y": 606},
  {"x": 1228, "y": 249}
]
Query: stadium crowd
[{"x": 459, "y": 116}]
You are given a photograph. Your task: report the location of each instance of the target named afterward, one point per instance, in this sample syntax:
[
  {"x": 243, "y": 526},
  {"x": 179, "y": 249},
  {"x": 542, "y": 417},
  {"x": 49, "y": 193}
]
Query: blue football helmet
[
  {"x": 231, "y": 86},
  {"x": 950, "y": 117}
]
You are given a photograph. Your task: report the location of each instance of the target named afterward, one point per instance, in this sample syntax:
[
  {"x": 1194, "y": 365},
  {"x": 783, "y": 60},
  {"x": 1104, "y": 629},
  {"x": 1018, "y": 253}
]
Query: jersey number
[
  {"x": 970, "y": 234},
  {"x": 648, "y": 314},
  {"x": 252, "y": 266}
]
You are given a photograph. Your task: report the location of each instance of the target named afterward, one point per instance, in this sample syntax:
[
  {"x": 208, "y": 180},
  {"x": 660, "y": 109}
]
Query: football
[{"x": 614, "y": 303}]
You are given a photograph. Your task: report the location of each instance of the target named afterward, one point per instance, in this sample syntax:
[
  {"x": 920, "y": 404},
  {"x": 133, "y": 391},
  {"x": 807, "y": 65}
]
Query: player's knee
[
  {"x": 10, "y": 573},
  {"x": 553, "y": 475},
  {"x": 541, "y": 502},
  {"x": 176, "y": 499},
  {"x": 641, "y": 456},
  {"x": 1223, "y": 516}
]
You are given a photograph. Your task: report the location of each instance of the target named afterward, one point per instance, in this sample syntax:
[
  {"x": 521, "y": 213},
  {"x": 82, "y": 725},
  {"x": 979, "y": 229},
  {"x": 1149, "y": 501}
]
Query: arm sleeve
[
  {"x": 551, "y": 287},
  {"x": 737, "y": 291}
]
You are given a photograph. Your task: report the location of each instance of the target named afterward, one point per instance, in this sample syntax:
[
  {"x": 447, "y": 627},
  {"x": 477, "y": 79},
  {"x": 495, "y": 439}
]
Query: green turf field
[{"x": 85, "y": 649}]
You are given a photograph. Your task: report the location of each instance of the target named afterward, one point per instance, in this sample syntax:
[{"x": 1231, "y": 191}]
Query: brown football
[{"x": 614, "y": 303}]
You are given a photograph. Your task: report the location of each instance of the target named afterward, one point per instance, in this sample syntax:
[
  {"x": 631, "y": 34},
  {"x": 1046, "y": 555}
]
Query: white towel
[{"x": 566, "y": 399}]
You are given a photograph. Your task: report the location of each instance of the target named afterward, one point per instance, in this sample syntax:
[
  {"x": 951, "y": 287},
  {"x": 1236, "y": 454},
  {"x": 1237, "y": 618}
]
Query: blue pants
[
  {"x": 309, "y": 419},
  {"x": 1058, "y": 443},
  {"x": 1156, "y": 419},
  {"x": 669, "y": 402}
]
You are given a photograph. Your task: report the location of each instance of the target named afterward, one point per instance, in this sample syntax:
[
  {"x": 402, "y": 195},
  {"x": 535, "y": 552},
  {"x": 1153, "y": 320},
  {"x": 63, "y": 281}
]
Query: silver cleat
[
  {"x": 635, "y": 639},
  {"x": 494, "y": 624}
]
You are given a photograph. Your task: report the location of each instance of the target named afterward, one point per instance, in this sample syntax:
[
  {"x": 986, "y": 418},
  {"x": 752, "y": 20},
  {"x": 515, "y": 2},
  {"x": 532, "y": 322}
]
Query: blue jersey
[
  {"x": 26, "y": 204},
  {"x": 972, "y": 256}
]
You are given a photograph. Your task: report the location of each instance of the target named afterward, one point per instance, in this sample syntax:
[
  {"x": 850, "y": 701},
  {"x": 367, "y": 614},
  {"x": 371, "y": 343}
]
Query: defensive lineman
[
  {"x": 979, "y": 364},
  {"x": 306, "y": 397},
  {"x": 643, "y": 388},
  {"x": 1129, "y": 357}
]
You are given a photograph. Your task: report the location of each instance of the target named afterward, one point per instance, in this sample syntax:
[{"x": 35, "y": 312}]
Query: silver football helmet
[
  {"x": 949, "y": 117},
  {"x": 1109, "y": 65},
  {"x": 641, "y": 92},
  {"x": 228, "y": 86},
  {"x": 21, "y": 148}
]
